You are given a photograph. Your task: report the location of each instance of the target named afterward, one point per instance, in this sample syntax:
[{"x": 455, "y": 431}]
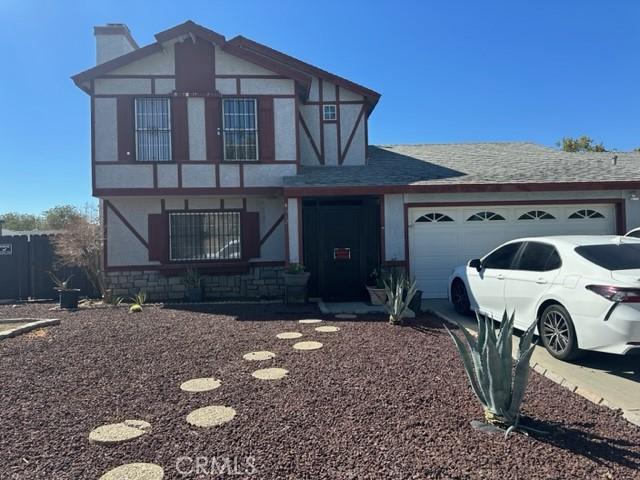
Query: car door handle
[{"x": 541, "y": 281}]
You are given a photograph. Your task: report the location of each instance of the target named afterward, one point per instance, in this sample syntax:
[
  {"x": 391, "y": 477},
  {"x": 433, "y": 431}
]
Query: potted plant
[
  {"x": 295, "y": 275},
  {"x": 68, "y": 296},
  {"x": 193, "y": 283},
  {"x": 377, "y": 292}
]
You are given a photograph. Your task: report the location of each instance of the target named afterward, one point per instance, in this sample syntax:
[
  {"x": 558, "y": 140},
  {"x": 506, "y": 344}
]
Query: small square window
[{"x": 329, "y": 112}]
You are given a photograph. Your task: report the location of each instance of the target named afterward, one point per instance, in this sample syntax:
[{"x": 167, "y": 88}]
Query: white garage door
[{"x": 441, "y": 238}]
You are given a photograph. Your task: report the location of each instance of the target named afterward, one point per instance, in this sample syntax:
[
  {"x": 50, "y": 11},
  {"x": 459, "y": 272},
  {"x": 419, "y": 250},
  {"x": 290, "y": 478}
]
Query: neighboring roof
[
  {"x": 251, "y": 51},
  {"x": 16, "y": 233},
  {"x": 481, "y": 165}
]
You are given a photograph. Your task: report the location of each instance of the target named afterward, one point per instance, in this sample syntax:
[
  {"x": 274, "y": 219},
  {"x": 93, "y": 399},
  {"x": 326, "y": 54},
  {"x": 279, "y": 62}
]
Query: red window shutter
[
  {"x": 158, "y": 237},
  {"x": 265, "y": 129},
  {"x": 179, "y": 128},
  {"x": 213, "y": 128},
  {"x": 126, "y": 129},
  {"x": 250, "y": 235}
]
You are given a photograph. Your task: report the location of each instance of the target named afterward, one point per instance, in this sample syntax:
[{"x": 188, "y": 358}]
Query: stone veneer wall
[{"x": 259, "y": 282}]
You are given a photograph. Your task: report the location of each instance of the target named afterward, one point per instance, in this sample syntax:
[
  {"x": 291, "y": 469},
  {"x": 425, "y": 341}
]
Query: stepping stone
[
  {"x": 310, "y": 320},
  {"x": 327, "y": 329},
  {"x": 135, "y": 471},
  {"x": 119, "y": 432},
  {"x": 288, "y": 335},
  {"x": 270, "y": 373},
  {"x": 211, "y": 416},
  {"x": 264, "y": 355},
  {"x": 200, "y": 385},
  {"x": 345, "y": 316},
  {"x": 307, "y": 345}
]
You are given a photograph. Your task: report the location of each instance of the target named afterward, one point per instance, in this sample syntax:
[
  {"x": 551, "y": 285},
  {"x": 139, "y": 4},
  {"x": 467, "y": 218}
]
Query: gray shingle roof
[{"x": 473, "y": 163}]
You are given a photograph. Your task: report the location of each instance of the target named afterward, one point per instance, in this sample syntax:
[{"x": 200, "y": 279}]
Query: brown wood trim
[
  {"x": 286, "y": 231},
  {"x": 341, "y": 102},
  {"x": 259, "y": 77},
  {"x": 272, "y": 229},
  {"x": 321, "y": 118},
  {"x": 237, "y": 267},
  {"x": 338, "y": 130},
  {"x": 149, "y": 76},
  {"x": 310, "y": 190},
  {"x": 305, "y": 128},
  {"x": 383, "y": 247},
  {"x": 194, "y": 191},
  {"x": 190, "y": 27},
  {"x": 126, "y": 223},
  {"x": 356, "y": 124},
  {"x": 105, "y": 236},
  {"x": 300, "y": 249}
]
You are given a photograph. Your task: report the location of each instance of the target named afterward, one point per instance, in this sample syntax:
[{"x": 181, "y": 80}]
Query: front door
[
  {"x": 340, "y": 252},
  {"x": 341, "y": 245}
]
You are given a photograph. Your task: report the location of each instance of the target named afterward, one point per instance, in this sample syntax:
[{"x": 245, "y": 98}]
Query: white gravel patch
[
  {"x": 256, "y": 356},
  {"x": 270, "y": 373},
  {"x": 288, "y": 335},
  {"x": 211, "y": 416},
  {"x": 327, "y": 329},
  {"x": 135, "y": 471},
  {"x": 310, "y": 320},
  {"x": 307, "y": 345},
  {"x": 200, "y": 384},
  {"x": 119, "y": 432}
]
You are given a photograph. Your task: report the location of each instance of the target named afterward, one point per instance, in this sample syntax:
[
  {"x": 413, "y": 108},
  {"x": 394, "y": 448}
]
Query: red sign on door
[{"x": 341, "y": 253}]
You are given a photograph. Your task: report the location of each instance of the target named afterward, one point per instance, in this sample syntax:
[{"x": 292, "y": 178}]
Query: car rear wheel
[
  {"x": 558, "y": 333},
  {"x": 459, "y": 297}
]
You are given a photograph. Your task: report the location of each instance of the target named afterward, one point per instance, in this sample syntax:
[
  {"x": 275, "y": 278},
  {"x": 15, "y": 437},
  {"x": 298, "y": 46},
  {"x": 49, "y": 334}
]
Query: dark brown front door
[{"x": 341, "y": 246}]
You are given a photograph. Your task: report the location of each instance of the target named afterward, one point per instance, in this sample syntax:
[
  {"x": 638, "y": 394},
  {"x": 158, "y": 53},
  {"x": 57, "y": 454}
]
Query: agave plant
[
  {"x": 400, "y": 292},
  {"x": 137, "y": 301},
  {"x": 499, "y": 385}
]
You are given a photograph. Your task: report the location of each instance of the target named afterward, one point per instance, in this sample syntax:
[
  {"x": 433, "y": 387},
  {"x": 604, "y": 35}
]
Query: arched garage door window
[
  {"x": 586, "y": 213},
  {"x": 434, "y": 217},
  {"x": 536, "y": 215},
  {"x": 485, "y": 217}
]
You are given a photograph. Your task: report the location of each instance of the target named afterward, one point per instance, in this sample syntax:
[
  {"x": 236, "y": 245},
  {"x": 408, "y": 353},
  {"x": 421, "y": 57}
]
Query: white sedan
[{"x": 583, "y": 291}]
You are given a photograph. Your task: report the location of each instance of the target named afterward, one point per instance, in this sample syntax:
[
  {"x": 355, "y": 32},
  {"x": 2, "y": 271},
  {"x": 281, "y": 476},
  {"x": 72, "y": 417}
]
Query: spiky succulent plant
[
  {"x": 400, "y": 291},
  {"x": 498, "y": 384}
]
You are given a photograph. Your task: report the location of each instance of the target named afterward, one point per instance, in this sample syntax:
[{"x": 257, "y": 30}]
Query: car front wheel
[
  {"x": 460, "y": 298},
  {"x": 558, "y": 333}
]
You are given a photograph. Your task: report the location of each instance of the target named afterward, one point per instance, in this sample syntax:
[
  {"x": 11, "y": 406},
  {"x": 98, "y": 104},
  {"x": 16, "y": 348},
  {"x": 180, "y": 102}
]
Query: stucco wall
[
  {"x": 105, "y": 124},
  {"x": 197, "y": 137}
]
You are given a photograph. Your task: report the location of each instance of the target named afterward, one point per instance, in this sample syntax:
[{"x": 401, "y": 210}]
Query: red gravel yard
[{"x": 374, "y": 402}]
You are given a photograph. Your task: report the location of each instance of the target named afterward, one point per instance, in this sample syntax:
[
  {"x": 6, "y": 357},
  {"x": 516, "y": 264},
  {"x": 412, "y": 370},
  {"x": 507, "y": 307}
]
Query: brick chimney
[{"x": 113, "y": 40}]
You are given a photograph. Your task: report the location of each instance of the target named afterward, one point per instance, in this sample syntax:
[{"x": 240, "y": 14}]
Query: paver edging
[
  {"x": 630, "y": 416},
  {"x": 25, "y": 328}
]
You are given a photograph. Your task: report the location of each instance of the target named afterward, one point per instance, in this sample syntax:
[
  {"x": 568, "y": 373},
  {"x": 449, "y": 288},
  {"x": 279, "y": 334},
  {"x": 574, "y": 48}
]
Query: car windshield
[{"x": 612, "y": 256}]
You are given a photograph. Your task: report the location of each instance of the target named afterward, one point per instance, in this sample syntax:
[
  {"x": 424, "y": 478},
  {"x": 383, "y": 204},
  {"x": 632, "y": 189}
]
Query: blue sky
[{"x": 448, "y": 71}]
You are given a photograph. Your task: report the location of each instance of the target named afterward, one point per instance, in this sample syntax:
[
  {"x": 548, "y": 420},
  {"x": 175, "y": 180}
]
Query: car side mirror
[{"x": 476, "y": 263}]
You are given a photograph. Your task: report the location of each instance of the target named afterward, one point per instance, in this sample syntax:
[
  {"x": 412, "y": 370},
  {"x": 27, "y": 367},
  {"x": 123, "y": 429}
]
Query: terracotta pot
[{"x": 296, "y": 279}]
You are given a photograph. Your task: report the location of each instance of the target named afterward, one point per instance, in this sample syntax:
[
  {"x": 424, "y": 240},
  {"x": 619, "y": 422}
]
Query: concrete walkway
[{"x": 610, "y": 380}]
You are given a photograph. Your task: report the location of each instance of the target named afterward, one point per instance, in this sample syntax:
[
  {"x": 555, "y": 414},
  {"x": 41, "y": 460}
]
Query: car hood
[{"x": 631, "y": 277}]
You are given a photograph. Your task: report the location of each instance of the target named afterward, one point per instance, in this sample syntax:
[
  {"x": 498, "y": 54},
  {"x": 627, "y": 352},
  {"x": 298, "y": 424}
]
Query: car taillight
[{"x": 616, "y": 294}]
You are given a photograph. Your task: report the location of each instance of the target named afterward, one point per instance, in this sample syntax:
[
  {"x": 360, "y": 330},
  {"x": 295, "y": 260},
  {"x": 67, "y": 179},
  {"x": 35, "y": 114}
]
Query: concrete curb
[
  {"x": 629, "y": 415},
  {"x": 25, "y": 328}
]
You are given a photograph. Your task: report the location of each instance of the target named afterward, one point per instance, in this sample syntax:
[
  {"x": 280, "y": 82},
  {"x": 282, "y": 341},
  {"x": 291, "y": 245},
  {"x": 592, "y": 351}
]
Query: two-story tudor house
[{"x": 235, "y": 159}]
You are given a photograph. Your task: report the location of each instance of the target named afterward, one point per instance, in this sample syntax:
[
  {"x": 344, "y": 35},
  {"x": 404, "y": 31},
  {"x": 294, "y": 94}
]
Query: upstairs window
[
  {"x": 329, "y": 112},
  {"x": 199, "y": 236},
  {"x": 153, "y": 129},
  {"x": 240, "y": 129}
]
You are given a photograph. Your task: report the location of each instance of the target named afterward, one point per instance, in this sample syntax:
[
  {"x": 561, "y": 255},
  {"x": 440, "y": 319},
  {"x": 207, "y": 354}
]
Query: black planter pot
[
  {"x": 416, "y": 302},
  {"x": 69, "y": 298},
  {"x": 194, "y": 294}
]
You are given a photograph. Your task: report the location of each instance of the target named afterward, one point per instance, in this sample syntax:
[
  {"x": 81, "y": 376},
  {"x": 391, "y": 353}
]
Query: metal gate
[{"x": 25, "y": 263}]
